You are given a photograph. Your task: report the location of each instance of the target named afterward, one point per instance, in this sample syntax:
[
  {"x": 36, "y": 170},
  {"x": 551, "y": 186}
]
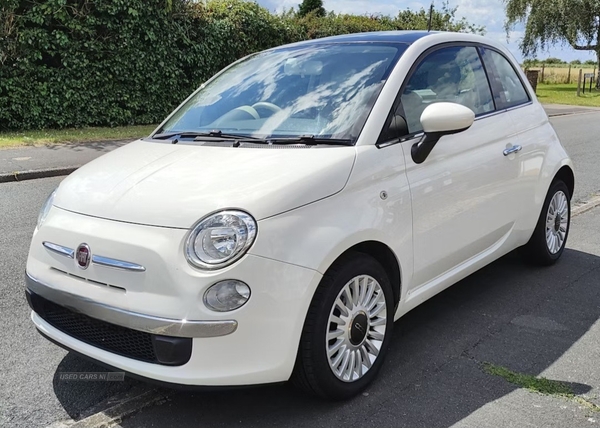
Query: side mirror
[{"x": 440, "y": 119}]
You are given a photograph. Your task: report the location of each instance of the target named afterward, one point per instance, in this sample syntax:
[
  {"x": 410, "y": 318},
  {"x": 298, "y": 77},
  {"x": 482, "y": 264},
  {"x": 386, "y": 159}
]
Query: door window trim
[
  {"x": 397, "y": 101},
  {"x": 494, "y": 72},
  {"x": 382, "y": 142}
]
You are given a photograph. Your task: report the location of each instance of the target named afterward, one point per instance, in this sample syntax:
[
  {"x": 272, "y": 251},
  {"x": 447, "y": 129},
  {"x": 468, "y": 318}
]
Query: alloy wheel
[
  {"x": 357, "y": 327},
  {"x": 557, "y": 222}
]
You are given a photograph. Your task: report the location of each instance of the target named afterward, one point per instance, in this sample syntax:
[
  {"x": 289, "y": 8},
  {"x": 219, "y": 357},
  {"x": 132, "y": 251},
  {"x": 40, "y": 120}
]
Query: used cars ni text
[{"x": 280, "y": 220}]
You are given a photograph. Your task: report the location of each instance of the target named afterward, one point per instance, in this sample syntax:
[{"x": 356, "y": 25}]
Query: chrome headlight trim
[{"x": 245, "y": 237}]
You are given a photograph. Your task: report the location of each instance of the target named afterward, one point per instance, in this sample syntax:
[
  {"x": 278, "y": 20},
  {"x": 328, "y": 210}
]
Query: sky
[{"x": 489, "y": 13}]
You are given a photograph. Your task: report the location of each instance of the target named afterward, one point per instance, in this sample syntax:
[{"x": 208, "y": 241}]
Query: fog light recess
[{"x": 226, "y": 295}]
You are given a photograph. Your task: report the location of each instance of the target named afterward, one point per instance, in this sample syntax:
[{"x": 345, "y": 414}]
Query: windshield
[{"x": 322, "y": 90}]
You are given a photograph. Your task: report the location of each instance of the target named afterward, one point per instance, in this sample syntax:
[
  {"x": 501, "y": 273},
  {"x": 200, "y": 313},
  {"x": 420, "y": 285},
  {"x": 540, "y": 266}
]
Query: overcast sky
[{"x": 489, "y": 13}]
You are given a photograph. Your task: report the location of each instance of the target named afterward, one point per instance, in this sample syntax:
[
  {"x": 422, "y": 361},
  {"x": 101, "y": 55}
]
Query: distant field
[
  {"x": 560, "y": 74},
  {"x": 566, "y": 94}
]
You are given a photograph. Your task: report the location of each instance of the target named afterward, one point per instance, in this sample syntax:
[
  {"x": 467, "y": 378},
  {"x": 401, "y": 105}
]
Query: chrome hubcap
[
  {"x": 357, "y": 324},
  {"x": 557, "y": 221}
]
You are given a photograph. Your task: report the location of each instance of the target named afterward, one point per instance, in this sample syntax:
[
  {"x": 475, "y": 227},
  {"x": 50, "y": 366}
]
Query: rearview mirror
[
  {"x": 294, "y": 66},
  {"x": 440, "y": 119}
]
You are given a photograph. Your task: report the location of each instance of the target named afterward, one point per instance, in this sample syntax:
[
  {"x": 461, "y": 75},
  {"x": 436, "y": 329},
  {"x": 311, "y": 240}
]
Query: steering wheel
[{"x": 268, "y": 106}]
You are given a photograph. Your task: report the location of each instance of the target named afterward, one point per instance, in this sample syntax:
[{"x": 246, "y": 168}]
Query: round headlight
[
  {"x": 45, "y": 209},
  {"x": 220, "y": 239},
  {"x": 226, "y": 295}
]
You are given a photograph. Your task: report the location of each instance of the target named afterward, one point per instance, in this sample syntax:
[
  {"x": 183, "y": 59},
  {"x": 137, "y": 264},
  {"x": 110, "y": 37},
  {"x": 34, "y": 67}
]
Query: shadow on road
[{"x": 509, "y": 314}]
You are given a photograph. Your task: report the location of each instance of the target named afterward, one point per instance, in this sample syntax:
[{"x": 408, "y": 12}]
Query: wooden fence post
[
  {"x": 579, "y": 82},
  {"x": 542, "y": 78},
  {"x": 569, "y": 76}
]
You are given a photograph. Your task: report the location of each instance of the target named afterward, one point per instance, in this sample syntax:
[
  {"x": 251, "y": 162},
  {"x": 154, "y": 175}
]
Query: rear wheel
[
  {"x": 550, "y": 236},
  {"x": 347, "y": 329}
]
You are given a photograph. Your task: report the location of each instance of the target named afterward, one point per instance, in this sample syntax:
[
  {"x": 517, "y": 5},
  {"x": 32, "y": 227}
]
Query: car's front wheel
[
  {"x": 550, "y": 236},
  {"x": 347, "y": 329}
]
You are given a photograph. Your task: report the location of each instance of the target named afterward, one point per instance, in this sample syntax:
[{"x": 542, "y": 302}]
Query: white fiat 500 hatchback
[{"x": 280, "y": 220}]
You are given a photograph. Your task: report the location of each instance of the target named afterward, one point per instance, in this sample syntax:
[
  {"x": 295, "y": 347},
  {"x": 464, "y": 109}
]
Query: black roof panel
[{"x": 376, "y": 36}]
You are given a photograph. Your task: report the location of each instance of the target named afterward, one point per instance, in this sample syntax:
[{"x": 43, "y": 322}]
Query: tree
[
  {"x": 590, "y": 62},
  {"x": 552, "y": 60},
  {"x": 308, "y": 6},
  {"x": 576, "y": 62},
  {"x": 530, "y": 62},
  {"x": 441, "y": 20},
  {"x": 550, "y": 22}
]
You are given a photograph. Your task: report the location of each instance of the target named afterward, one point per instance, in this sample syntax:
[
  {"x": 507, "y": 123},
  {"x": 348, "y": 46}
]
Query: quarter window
[
  {"x": 508, "y": 88},
  {"x": 453, "y": 74}
]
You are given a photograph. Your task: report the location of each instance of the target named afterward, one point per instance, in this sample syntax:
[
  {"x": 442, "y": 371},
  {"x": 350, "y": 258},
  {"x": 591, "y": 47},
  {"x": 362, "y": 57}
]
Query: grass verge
[
  {"x": 567, "y": 94},
  {"x": 536, "y": 384},
  {"x": 80, "y": 135},
  {"x": 540, "y": 385}
]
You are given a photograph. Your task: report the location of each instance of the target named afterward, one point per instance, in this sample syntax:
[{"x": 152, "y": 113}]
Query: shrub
[{"x": 74, "y": 63}]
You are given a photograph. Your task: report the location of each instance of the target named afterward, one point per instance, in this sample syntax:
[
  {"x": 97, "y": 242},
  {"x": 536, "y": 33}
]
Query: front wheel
[
  {"x": 550, "y": 236},
  {"x": 347, "y": 329}
]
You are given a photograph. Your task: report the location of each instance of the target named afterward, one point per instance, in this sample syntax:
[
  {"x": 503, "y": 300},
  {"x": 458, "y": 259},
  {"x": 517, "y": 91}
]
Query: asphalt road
[
  {"x": 580, "y": 134},
  {"x": 534, "y": 321}
]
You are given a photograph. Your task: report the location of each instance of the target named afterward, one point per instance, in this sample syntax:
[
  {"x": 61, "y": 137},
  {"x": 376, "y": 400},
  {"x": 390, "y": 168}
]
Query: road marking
[
  {"x": 580, "y": 208},
  {"x": 112, "y": 416}
]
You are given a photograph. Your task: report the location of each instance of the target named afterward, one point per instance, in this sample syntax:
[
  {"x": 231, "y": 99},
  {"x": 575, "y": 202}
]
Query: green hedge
[{"x": 74, "y": 63}]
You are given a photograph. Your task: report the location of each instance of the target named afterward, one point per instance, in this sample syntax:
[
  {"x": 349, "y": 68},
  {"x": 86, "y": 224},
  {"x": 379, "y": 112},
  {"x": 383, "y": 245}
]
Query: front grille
[{"x": 119, "y": 340}]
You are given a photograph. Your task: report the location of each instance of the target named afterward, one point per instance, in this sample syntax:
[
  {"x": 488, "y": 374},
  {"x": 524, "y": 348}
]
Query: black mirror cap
[
  {"x": 395, "y": 128},
  {"x": 398, "y": 126},
  {"x": 421, "y": 149}
]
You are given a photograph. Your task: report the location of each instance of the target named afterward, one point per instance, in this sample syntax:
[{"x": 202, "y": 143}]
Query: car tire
[
  {"x": 336, "y": 361},
  {"x": 552, "y": 230}
]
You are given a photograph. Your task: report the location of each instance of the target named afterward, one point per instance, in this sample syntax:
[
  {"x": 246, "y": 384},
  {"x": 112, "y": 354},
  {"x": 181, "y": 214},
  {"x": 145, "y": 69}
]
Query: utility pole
[{"x": 430, "y": 17}]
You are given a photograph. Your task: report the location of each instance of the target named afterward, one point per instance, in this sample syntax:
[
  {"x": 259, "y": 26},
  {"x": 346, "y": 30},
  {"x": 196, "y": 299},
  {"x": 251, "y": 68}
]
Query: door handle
[{"x": 513, "y": 149}]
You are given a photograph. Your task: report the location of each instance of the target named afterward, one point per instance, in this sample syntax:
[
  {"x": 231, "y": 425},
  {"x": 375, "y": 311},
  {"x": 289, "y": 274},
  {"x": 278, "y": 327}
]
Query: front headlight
[
  {"x": 220, "y": 239},
  {"x": 45, "y": 209}
]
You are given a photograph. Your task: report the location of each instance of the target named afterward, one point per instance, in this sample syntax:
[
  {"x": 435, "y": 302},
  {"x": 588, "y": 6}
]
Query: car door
[
  {"x": 462, "y": 209},
  {"x": 530, "y": 135}
]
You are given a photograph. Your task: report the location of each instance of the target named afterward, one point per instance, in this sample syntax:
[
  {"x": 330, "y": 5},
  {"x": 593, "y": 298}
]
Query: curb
[
  {"x": 585, "y": 206},
  {"x": 571, "y": 113},
  {"x": 37, "y": 173}
]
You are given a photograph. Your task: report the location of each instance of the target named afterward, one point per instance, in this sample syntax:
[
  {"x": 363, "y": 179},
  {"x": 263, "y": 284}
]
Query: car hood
[{"x": 162, "y": 184}]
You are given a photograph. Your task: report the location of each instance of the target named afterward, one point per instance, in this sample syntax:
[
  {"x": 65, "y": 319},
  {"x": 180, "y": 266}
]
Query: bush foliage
[{"x": 73, "y": 63}]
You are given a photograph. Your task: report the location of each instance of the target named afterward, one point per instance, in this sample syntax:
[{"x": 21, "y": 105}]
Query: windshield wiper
[
  {"x": 217, "y": 135},
  {"x": 214, "y": 134},
  {"x": 311, "y": 140}
]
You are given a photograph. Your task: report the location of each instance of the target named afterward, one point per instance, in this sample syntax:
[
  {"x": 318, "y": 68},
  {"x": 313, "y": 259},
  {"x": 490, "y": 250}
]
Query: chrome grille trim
[
  {"x": 117, "y": 264},
  {"x": 96, "y": 259},
  {"x": 59, "y": 249}
]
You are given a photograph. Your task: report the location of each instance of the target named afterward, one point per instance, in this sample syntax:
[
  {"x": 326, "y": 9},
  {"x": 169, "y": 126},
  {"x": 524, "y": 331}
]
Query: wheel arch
[
  {"x": 386, "y": 257},
  {"x": 565, "y": 173}
]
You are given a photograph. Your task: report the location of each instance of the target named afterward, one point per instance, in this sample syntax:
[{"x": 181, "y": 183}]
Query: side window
[
  {"x": 508, "y": 88},
  {"x": 453, "y": 74}
]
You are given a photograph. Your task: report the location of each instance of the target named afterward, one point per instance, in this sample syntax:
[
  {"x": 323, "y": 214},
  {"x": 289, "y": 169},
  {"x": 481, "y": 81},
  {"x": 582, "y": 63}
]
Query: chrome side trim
[
  {"x": 133, "y": 320},
  {"x": 59, "y": 249},
  {"x": 117, "y": 264}
]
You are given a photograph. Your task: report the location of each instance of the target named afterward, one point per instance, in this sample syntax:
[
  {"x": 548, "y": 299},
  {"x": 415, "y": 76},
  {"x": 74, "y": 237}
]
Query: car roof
[{"x": 406, "y": 37}]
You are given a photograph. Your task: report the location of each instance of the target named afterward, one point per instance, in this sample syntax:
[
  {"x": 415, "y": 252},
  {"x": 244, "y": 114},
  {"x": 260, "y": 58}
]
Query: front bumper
[
  {"x": 129, "y": 319},
  {"x": 254, "y": 344}
]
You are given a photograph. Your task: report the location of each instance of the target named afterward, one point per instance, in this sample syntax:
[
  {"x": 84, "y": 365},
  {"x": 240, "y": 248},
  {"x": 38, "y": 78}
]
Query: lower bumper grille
[{"x": 138, "y": 345}]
